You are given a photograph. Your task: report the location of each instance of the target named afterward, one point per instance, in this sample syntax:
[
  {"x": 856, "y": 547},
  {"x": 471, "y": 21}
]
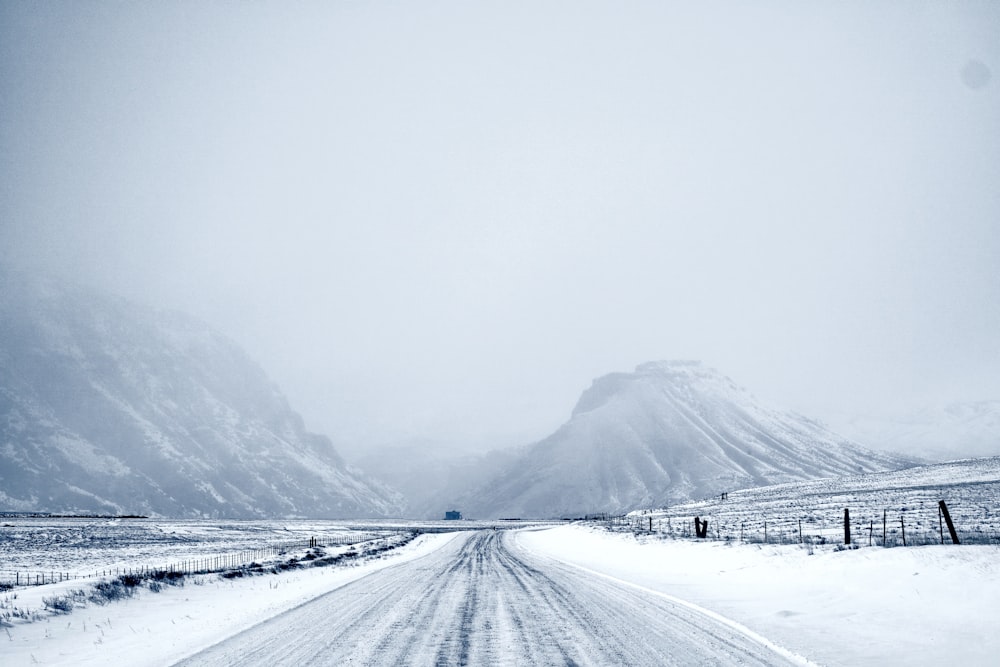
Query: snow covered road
[{"x": 481, "y": 599}]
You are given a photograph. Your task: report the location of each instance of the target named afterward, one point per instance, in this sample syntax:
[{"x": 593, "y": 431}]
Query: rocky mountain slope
[
  {"x": 669, "y": 432},
  {"x": 109, "y": 407}
]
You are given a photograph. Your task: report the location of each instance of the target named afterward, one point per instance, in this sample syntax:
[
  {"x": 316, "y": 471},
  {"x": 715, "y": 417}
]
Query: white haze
[{"x": 441, "y": 220}]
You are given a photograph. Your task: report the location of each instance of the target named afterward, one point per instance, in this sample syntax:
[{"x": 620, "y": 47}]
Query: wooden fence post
[
  {"x": 847, "y": 526},
  {"x": 947, "y": 519},
  {"x": 902, "y": 526}
]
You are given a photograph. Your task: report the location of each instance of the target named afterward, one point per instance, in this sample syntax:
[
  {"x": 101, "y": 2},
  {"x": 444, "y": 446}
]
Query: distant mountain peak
[
  {"x": 673, "y": 366},
  {"x": 682, "y": 377},
  {"x": 666, "y": 432}
]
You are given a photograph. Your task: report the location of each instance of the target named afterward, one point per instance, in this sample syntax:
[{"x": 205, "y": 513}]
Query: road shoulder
[{"x": 162, "y": 628}]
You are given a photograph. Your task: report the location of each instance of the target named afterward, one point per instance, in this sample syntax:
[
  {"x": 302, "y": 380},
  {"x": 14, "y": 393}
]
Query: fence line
[
  {"x": 862, "y": 527},
  {"x": 219, "y": 562}
]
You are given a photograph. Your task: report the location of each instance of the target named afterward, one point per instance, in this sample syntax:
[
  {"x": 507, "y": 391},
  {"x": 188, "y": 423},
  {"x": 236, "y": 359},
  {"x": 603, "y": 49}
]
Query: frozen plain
[
  {"x": 770, "y": 604},
  {"x": 570, "y": 593}
]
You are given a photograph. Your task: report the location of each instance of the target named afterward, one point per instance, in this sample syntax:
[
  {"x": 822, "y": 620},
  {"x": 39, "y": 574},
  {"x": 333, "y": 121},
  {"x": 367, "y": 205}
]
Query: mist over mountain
[
  {"x": 942, "y": 433},
  {"x": 668, "y": 432},
  {"x": 107, "y": 406},
  {"x": 433, "y": 477}
]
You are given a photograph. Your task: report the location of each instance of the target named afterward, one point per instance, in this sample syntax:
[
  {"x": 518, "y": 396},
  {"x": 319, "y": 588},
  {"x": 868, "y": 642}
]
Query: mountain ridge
[
  {"x": 109, "y": 406},
  {"x": 667, "y": 432}
]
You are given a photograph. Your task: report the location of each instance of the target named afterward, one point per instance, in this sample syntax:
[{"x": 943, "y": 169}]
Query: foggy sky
[{"x": 442, "y": 220}]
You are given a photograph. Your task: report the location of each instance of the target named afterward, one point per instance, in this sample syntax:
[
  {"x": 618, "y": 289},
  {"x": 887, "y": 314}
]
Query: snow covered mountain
[
  {"x": 109, "y": 407},
  {"x": 941, "y": 433},
  {"x": 669, "y": 432}
]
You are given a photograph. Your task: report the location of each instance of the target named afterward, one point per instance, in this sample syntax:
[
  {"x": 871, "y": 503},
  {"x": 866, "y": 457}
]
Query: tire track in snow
[{"x": 481, "y": 600}]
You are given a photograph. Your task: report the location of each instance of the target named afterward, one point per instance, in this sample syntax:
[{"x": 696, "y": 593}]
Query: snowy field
[
  {"x": 817, "y": 604},
  {"x": 81, "y": 547},
  {"x": 809, "y": 602},
  {"x": 903, "y": 503},
  {"x": 928, "y": 605},
  {"x": 162, "y": 628}
]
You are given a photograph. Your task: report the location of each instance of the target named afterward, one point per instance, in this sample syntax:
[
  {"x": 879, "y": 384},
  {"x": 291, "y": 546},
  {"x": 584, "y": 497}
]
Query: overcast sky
[{"x": 442, "y": 220}]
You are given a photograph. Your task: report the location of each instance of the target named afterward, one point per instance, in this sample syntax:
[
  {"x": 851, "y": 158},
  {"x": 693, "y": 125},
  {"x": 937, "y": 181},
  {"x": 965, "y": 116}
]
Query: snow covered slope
[
  {"x": 109, "y": 407},
  {"x": 668, "y": 432},
  {"x": 813, "y": 511}
]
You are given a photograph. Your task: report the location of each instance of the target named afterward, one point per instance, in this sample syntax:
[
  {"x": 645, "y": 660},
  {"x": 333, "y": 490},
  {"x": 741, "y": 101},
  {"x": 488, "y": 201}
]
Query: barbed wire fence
[
  {"x": 10, "y": 579},
  {"x": 886, "y": 527}
]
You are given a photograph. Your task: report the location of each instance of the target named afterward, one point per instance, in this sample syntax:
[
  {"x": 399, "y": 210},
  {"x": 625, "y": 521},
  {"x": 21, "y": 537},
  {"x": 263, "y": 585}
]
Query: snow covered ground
[
  {"x": 928, "y": 605},
  {"x": 832, "y": 606},
  {"x": 483, "y": 600},
  {"x": 906, "y": 500},
  {"x": 161, "y": 628},
  {"x": 79, "y": 547}
]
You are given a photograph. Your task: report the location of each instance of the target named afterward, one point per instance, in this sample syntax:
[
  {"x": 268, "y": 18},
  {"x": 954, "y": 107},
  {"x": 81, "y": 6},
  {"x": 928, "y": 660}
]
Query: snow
[
  {"x": 667, "y": 433},
  {"x": 971, "y": 489},
  {"x": 871, "y": 606},
  {"x": 815, "y": 604},
  {"x": 94, "y": 387},
  {"x": 482, "y": 600},
  {"x": 161, "y": 628}
]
